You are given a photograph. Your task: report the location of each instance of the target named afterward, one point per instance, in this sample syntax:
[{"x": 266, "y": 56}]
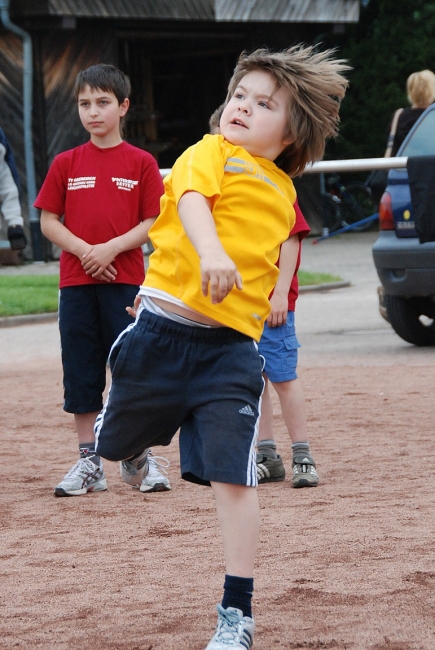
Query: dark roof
[
  {"x": 311, "y": 11},
  {"x": 288, "y": 11}
]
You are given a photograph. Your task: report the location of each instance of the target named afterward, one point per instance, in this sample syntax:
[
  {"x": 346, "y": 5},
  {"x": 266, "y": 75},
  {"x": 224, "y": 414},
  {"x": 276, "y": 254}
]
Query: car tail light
[{"x": 386, "y": 219}]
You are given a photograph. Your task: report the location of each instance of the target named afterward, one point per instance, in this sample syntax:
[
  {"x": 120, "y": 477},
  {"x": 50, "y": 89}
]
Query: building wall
[
  {"x": 179, "y": 72},
  {"x": 58, "y": 57}
]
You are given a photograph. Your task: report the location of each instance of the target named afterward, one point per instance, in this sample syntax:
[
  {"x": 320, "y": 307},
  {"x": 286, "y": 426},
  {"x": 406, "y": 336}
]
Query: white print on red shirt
[
  {"x": 81, "y": 183},
  {"x": 124, "y": 183}
]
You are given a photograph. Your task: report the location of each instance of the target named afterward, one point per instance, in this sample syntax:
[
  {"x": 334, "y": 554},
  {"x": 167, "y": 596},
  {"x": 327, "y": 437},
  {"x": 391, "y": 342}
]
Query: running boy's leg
[
  {"x": 239, "y": 520},
  {"x": 238, "y": 515},
  {"x": 147, "y": 401}
]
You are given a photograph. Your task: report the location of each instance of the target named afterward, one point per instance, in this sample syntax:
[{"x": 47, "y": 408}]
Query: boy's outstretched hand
[{"x": 219, "y": 274}]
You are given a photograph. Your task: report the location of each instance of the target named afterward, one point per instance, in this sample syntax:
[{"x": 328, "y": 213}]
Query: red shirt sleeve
[
  {"x": 51, "y": 196},
  {"x": 301, "y": 227}
]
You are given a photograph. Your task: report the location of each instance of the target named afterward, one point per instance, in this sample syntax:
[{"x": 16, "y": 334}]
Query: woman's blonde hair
[
  {"x": 317, "y": 86},
  {"x": 420, "y": 87}
]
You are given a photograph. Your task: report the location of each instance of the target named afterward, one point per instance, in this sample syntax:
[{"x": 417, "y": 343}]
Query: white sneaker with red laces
[{"x": 85, "y": 476}]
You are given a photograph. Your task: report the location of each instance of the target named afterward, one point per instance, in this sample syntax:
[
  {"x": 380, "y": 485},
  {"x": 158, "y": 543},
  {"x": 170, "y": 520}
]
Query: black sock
[
  {"x": 238, "y": 593},
  {"x": 87, "y": 450}
]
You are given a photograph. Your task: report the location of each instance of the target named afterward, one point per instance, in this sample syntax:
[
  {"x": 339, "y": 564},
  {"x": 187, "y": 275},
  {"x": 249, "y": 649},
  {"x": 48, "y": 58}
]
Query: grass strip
[
  {"x": 28, "y": 294},
  {"x": 306, "y": 278},
  {"x": 38, "y": 294}
]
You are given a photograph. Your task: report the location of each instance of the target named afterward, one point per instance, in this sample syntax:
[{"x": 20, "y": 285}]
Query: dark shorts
[
  {"x": 91, "y": 317},
  {"x": 279, "y": 347},
  {"x": 207, "y": 382}
]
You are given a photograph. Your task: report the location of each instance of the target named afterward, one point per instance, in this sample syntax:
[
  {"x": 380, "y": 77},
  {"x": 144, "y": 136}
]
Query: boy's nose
[{"x": 243, "y": 107}]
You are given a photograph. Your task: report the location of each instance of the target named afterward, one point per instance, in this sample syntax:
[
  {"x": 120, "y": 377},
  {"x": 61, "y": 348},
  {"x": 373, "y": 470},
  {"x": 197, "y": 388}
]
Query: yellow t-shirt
[{"x": 252, "y": 206}]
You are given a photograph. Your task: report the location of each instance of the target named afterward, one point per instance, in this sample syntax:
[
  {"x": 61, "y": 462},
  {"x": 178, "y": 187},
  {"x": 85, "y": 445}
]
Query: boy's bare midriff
[{"x": 186, "y": 313}]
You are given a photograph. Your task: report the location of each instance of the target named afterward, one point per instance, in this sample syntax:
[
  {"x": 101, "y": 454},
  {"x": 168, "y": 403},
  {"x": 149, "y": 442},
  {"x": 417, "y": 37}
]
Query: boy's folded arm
[
  {"x": 100, "y": 256},
  {"x": 217, "y": 268},
  {"x": 56, "y": 232}
]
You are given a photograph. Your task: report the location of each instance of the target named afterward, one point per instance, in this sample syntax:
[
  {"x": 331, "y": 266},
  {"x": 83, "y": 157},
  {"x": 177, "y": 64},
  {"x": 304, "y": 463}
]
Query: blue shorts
[
  {"x": 91, "y": 317},
  {"x": 279, "y": 347},
  {"x": 207, "y": 382}
]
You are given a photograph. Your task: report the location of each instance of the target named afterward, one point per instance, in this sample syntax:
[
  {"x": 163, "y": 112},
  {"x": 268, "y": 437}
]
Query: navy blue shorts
[
  {"x": 91, "y": 317},
  {"x": 279, "y": 347},
  {"x": 207, "y": 382}
]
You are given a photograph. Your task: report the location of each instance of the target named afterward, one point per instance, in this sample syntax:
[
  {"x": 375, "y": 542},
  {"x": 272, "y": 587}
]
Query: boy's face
[
  {"x": 100, "y": 114},
  {"x": 256, "y": 116}
]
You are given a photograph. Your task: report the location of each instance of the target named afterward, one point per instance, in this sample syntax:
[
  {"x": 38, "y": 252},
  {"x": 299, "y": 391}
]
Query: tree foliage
[{"x": 393, "y": 39}]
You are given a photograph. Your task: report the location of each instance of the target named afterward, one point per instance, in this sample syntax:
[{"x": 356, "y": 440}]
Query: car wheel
[{"x": 413, "y": 319}]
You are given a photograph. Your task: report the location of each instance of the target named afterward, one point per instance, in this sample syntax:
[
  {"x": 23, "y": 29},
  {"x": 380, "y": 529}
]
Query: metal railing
[
  {"x": 352, "y": 165},
  {"x": 330, "y": 166}
]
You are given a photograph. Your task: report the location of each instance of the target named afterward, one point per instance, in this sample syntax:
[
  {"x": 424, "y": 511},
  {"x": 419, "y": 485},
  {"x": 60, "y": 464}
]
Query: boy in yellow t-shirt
[{"x": 190, "y": 361}]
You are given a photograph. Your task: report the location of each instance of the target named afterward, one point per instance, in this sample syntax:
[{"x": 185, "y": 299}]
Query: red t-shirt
[
  {"x": 102, "y": 194},
  {"x": 302, "y": 229}
]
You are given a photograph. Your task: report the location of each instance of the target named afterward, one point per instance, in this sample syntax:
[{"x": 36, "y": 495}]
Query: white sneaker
[
  {"x": 133, "y": 471},
  {"x": 84, "y": 477},
  {"x": 154, "y": 480},
  {"x": 233, "y": 630}
]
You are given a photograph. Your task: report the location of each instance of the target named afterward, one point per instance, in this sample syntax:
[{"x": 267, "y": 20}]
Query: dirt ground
[{"x": 349, "y": 564}]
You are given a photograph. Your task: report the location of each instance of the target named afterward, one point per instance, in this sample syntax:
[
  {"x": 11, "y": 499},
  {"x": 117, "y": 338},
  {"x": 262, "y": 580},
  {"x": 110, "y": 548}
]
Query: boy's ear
[
  {"x": 288, "y": 139},
  {"x": 286, "y": 142},
  {"x": 123, "y": 108}
]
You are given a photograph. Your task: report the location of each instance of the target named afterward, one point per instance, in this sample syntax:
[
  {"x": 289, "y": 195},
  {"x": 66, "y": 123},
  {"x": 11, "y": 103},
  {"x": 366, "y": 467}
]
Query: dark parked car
[{"x": 406, "y": 268}]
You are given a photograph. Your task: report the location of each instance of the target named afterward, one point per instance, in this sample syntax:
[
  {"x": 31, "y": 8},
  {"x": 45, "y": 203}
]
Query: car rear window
[{"x": 422, "y": 141}]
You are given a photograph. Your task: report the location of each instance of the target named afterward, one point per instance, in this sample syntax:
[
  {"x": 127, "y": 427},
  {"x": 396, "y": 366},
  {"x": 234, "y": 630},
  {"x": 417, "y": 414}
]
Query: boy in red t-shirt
[
  {"x": 279, "y": 347},
  {"x": 98, "y": 202}
]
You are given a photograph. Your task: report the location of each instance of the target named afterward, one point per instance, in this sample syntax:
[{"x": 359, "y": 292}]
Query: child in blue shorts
[
  {"x": 190, "y": 361},
  {"x": 279, "y": 347}
]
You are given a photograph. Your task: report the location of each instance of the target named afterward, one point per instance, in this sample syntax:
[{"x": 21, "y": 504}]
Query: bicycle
[{"x": 345, "y": 205}]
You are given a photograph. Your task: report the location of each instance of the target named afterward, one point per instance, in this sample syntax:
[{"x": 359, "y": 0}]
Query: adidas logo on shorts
[{"x": 246, "y": 410}]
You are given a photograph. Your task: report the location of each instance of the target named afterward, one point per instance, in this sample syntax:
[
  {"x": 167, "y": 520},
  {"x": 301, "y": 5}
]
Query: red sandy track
[{"x": 349, "y": 564}]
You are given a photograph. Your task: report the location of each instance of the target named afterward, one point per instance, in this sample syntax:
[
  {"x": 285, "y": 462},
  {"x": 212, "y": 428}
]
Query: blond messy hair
[
  {"x": 316, "y": 84},
  {"x": 420, "y": 88}
]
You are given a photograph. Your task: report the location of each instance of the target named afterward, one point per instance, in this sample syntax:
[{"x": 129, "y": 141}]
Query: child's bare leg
[
  {"x": 292, "y": 401},
  {"x": 293, "y": 409},
  {"x": 269, "y": 464},
  {"x": 270, "y": 467},
  {"x": 239, "y": 520},
  {"x": 85, "y": 426}
]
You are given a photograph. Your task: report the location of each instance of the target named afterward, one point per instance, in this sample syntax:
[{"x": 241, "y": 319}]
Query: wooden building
[{"x": 179, "y": 55}]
